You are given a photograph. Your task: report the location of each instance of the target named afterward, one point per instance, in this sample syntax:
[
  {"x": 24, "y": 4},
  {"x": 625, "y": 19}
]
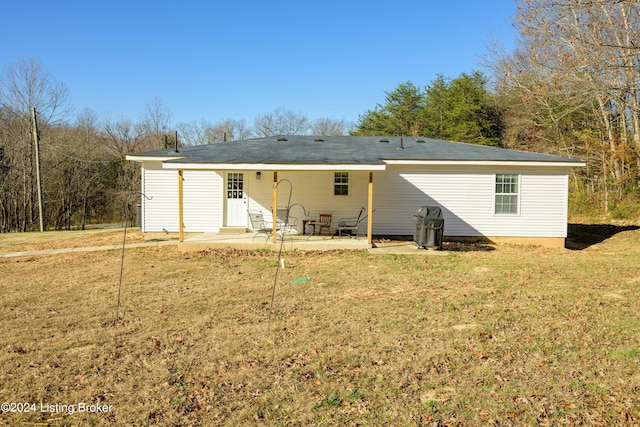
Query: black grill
[{"x": 428, "y": 227}]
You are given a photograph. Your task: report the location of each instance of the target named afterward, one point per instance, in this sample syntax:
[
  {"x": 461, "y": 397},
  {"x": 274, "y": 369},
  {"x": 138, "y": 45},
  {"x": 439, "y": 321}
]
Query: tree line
[
  {"x": 85, "y": 177},
  {"x": 570, "y": 88},
  {"x": 459, "y": 109}
]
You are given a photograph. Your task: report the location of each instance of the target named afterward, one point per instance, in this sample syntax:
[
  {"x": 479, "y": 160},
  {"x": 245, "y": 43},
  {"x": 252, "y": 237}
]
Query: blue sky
[{"x": 214, "y": 60}]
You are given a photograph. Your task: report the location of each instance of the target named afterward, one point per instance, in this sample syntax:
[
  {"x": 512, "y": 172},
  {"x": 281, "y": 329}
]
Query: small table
[
  {"x": 304, "y": 225},
  {"x": 315, "y": 223}
]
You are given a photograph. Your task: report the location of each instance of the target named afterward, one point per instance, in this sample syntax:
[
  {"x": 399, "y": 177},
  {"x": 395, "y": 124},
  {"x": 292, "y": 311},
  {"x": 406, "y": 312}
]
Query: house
[{"x": 484, "y": 192}]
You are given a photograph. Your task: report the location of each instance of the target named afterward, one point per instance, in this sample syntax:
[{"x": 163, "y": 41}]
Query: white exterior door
[{"x": 236, "y": 200}]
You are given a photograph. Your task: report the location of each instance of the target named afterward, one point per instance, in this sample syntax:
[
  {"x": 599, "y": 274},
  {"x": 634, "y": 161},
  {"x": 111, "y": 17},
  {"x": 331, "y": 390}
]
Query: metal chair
[
  {"x": 259, "y": 225},
  {"x": 350, "y": 225},
  {"x": 284, "y": 215}
]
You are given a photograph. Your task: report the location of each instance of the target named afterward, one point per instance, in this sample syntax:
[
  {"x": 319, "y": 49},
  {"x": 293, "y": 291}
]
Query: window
[
  {"x": 341, "y": 183},
  {"x": 506, "y": 194},
  {"x": 234, "y": 185}
]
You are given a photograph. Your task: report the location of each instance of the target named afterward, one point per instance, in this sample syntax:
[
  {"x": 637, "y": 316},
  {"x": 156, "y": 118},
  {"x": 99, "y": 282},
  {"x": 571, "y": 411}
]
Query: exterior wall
[
  {"x": 161, "y": 212},
  {"x": 202, "y": 199},
  {"x": 466, "y": 195},
  {"x": 203, "y": 205},
  {"x": 313, "y": 190}
]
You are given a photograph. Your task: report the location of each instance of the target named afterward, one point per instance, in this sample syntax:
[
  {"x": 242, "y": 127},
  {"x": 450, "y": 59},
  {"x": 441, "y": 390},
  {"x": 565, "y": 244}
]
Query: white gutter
[
  {"x": 483, "y": 163},
  {"x": 150, "y": 158},
  {"x": 273, "y": 167}
]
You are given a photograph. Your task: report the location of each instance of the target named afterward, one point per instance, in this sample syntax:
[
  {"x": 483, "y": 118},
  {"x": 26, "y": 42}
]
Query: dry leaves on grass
[{"x": 521, "y": 336}]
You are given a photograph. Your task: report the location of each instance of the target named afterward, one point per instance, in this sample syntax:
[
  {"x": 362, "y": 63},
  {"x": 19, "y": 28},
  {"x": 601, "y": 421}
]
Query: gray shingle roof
[{"x": 346, "y": 150}]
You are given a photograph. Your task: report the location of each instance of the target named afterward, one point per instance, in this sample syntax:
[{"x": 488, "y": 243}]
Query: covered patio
[{"x": 257, "y": 197}]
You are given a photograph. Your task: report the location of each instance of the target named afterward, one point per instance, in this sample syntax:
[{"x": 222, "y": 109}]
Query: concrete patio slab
[{"x": 204, "y": 241}]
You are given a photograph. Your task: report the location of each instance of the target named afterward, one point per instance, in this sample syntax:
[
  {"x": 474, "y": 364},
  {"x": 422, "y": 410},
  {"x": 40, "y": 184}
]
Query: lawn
[{"x": 489, "y": 335}]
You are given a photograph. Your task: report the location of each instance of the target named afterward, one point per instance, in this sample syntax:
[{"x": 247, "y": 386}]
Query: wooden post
[
  {"x": 36, "y": 146},
  {"x": 275, "y": 206},
  {"x": 370, "y": 210},
  {"x": 180, "y": 208}
]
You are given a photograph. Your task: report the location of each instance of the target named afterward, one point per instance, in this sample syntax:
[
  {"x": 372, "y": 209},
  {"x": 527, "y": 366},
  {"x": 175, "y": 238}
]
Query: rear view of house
[{"x": 484, "y": 192}]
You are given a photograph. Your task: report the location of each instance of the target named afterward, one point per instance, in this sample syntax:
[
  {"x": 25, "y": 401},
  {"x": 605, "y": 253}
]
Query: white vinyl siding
[
  {"x": 466, "y": 195},
  {"x": 202, "y": 201},
  {"x": 160, "y": 207}
]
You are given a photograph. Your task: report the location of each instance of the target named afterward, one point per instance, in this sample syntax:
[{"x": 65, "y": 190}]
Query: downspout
[
  {"x": 370, "y": 210},
  {"x": 180, "y": 207},
  {"x": 274, "y": 206}
]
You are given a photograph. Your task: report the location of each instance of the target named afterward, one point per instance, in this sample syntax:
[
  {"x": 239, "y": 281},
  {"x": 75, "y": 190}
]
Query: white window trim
[
  {"x": 518, "y": 194},
  {"x": 348, "y": 184}
]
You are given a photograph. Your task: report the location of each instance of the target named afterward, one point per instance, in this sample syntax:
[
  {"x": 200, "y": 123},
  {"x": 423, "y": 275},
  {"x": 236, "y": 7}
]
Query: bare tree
[
  {"x": 574, "y": 79},
  {"x": 281, "y": 122},
  {"x": 156, "y": 122},
  {"x": 329, "y": 127},
  {"x": 123, "y": 136},
  {"x": 226, "y": 131},
  {"x": 193, "y": 133},
  {"x": 23, "y": 87}
]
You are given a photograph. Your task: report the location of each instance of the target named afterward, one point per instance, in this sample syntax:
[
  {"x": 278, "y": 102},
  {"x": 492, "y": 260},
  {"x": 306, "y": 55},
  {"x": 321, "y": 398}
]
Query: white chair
[
  {"x": 259, "y": 225},
  {"x": 286, "y": 221},
  {"x": 350, "y": 225}
]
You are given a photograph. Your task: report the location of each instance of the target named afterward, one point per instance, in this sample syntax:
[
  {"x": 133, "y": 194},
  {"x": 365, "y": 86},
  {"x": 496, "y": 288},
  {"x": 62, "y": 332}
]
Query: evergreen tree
[
  {"x": 467, "y": 114},
  {"x": 457, "y": 110},
  {"x": 399, "y": 116}
]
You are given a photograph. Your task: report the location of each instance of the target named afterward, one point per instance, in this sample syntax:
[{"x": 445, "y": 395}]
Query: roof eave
[
  {"x": 485, "y": 163},
  {"x": 135, "y": 158},
  {"x": 276, "y": 167}
]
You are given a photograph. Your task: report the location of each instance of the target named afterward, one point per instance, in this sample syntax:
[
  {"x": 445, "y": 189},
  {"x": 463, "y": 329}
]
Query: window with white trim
[
  {"x": 506, "y": 196},
  {"x": 341, "y": 183}
]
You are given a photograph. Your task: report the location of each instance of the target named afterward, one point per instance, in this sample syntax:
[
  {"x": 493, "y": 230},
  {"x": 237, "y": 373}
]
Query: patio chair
[
  {"x": 259, "y": 225},
  {"x": 292, "y": 221},
  {"x": 350, "y": 225},
  {"x": 324, "y": 222}
]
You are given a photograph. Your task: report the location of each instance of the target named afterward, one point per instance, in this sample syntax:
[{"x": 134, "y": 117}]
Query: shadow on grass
[
  {"x": 448, "y": 246},
  {"x": 468, "y": 247},
  {"x": 581, "y": 236}
]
